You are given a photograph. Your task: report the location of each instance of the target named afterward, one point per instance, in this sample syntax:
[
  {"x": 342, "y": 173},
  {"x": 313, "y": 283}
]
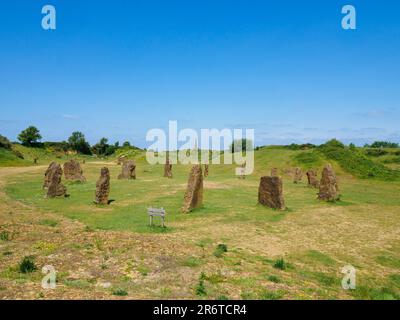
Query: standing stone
[
  {"x": 55, "y": 187},
  {"x": 47, "y": 174},
  {"x": 274, "y": 172},
  {"x": 206, "y": 170},
  {"x": 297, "y": 175},
  {"x": 242, "y": 171},
  {"x": 168, "y": 169},
  {"x": 103, "y": 187},
  {"x": 73, "y": 171},
  {"x": 128, "y": 170},
  {"x": 328, "y": 188},
  {"x": 312, "y": 178},
  {"x": 194, "y": 192},
  {"x": 270, "y": 192}
]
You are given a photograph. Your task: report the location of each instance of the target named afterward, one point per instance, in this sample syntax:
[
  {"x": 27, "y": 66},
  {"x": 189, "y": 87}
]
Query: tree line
[{"x": 31, "y": 137}]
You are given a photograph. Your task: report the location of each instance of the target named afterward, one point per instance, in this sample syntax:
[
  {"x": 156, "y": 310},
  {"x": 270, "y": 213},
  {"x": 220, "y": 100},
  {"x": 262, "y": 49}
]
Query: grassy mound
[
  {"x": 356, "y": 162},
  {"x": 8, "y": 158}
]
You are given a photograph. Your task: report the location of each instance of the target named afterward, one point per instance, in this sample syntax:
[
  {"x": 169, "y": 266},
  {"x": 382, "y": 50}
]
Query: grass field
[{"x": 111, "y": 252}]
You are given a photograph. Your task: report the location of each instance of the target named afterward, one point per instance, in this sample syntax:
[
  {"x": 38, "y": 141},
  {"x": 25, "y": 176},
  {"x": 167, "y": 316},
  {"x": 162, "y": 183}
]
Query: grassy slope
[{"x": 316, "y": 238}]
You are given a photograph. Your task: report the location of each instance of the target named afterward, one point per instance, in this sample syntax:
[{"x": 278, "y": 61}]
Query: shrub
[
  {"x": 200, "y": 288},
  {"x": 18, "y": 154},
  {"x": 5, "y": 236},
  {"x": 384, "y": 144},
  {"x": 27, "y": 265},
  {"x": 120, "y": 292},
  {"x": 274, "y": 279},
  {"x": 5, "y": 143},
  {"x": 220, "y": 250},
  {"x": 375, "y": 152},
  {"x": 280, "y": 264}
]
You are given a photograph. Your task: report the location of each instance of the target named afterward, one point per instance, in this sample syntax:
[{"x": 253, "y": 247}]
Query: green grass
[
  {"x": 231, "y": 216},
  {"x": 357, "y": 163},
  {"x": 9, "y": 159},
  {"x": 49, "y": 222}
]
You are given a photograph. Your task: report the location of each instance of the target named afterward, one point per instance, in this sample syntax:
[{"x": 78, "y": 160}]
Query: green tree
[
  {"x": 126, "y": 144},
  {"x": 30, "y": 136},
  {"x": 384, "y": 144},
  {"x": 102, "y": 148},
  {"x": 78, "y": 143}
]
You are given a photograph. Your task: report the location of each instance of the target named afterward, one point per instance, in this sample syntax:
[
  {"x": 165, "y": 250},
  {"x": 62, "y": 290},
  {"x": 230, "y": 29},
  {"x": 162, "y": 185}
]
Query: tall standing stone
[
  {"x": 328, "y": 187},
  {"x": 312, "y": 178},
  {"x": 168, "y": 169},
  {"x": 103, "y": 187},
  {"x": 194, "y": 192},
  {"x": 73, "y": 171},
  {"x": 128, "y": 170},
  {"x": 297, "y": 175},
  {"x": 270, "y": 192},
  {"x": 55, "y": 187},
  {"x": 50, "y": 168}
]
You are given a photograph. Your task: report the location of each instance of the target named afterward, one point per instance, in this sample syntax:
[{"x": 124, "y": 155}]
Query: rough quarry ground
[{"x": 111, "y": 252}]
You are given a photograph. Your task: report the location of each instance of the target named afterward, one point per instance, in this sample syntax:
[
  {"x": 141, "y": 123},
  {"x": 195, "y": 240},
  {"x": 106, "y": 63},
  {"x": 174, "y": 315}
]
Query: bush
[
  {"x": 375, "y": 152},
  {"x": 120, "y": 292},
  {"x": 200, "y": 288},
  {"x": 384, "y": 144},
  {"x": 305, "y": 146},
  {"x": 220, "y": 250},
  {"x": 5, "y": 236},
  {"x": 27, "y": 265},
  {"x": 5, "y": 143},
  {"x": 18, "y": 154},
  {"x": 274, "y": 279},
  {"x": 280, "y": 264}
]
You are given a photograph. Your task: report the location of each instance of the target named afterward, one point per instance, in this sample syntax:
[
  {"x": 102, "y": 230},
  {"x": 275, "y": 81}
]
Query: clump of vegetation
[
  {"x": 280, "y": 264},
  {"x": 192, "y": 262},
  {"x": 274, "y": 279},
  {"x": 78, "y": 143},
  {"x": 200, "y": 287},
  {"x": 357, "y": 163},
  {"x": 119, "y": 292},
  {"x": 376, "y": 152},
  {"x": 220, "y": 250},
  {"x": 304, "y": 146},
  {"x": 270, "y": 295},
  {"x": 5, "y": 143},
  {"x": 49, "y": 222},
  {"x": 5, "y": 235},
  {"x": 27, "y": 265},
  {"x": 382, "y": 144},
  {"x": 18, "y": 154}
]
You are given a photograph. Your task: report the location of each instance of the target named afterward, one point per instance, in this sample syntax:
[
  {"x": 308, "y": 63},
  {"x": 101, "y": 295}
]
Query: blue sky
[{"x": 119, "y": 68}]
